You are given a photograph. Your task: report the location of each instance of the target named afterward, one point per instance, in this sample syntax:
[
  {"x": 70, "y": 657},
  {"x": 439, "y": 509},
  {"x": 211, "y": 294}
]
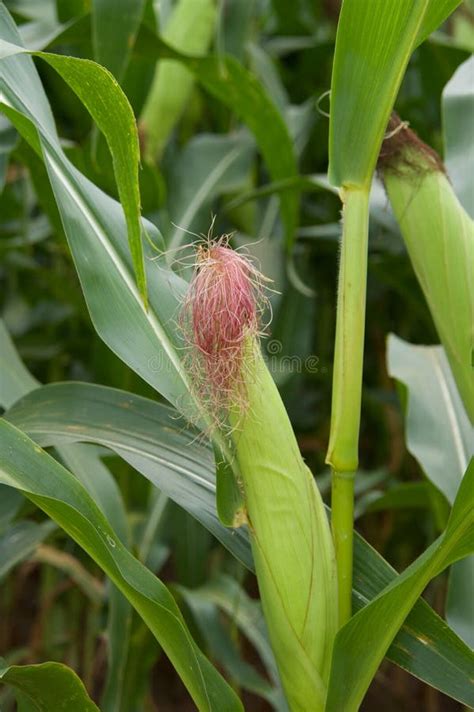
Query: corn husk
[
  {"x": 291, "y": 542},
  {"x": 439, "y": 236},
  {"x": 221, "y": 320}
]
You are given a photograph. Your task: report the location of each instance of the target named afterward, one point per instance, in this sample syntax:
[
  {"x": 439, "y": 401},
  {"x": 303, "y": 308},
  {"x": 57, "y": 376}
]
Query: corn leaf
[
  {"x": 374, "y": 627},
  {"x": 85, "y": 463},
  {"x": 441, "y": 438},
  {"x": 103, "y": 98},
  {"x": 55, "y": 490},
  {"x": 96, "y": 231},
  {"x": 435, "y": 15},
  {"x": 439, "y": 434},
  {"x": 374, "y": 43},
  {"x": 458, "y": 120},
  {"x": 145, "y": 434},
  {"x": 42, "y": 686},
  {"x": 156, "y": 445}
]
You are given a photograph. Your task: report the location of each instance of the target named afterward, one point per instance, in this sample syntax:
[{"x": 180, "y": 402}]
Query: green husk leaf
[
  {"x": 291, "y": 541},
  {"x": 439, "y": 236},
  {"x": 229, "y": 498}
]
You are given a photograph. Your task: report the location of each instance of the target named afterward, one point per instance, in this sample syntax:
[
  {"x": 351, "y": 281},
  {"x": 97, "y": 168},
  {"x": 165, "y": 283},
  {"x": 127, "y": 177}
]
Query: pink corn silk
[{"x": 221, "y": 309}]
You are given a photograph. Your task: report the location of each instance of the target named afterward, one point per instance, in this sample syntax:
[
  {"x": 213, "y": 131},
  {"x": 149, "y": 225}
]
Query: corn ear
[
  {"x": 291, "y": 542},
  {"x": 439, "y": 236},
  {"x": 189, "y": 29}
]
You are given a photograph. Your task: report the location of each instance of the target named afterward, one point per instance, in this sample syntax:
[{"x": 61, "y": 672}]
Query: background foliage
[{"x": 249, "y": 146}]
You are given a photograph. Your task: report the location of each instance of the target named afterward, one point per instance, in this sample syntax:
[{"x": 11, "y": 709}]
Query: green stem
[
  {"x": 347, "y": 383},
  {"x": 342, "y": 532}
]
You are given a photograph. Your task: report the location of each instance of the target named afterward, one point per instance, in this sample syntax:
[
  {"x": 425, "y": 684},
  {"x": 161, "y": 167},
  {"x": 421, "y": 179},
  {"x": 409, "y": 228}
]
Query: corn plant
[{"x": 190, "y": 314}]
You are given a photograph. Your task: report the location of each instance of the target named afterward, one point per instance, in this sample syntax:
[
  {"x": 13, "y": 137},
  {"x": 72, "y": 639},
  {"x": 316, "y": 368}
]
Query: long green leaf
[
  {"x": 374, "y": 627},
  {"x": 425, "y": 646},
  {"x": 441, "y": 437},
  {"x": 224, "y": 594},
  {"x": 143, "y": 433},
  {"x": 85, "y": 463},
  {"x": 25, "y": 466},
  {"x": 458, "y": 120},
  {"x": 439, "y": 434},
  {"x": 47, "y": 687},
  {"x": 102, "y": 96},
  {"x": 460, "y": 601},
  {"x": 146, "y": 435},
  {"x": 436, "y": 14},
  {"x": 373, "y": 45},
  {"x": 95, "y": 228},
  {"x": 223, "y": 647},
  {"x": 146, "y": 340}
]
